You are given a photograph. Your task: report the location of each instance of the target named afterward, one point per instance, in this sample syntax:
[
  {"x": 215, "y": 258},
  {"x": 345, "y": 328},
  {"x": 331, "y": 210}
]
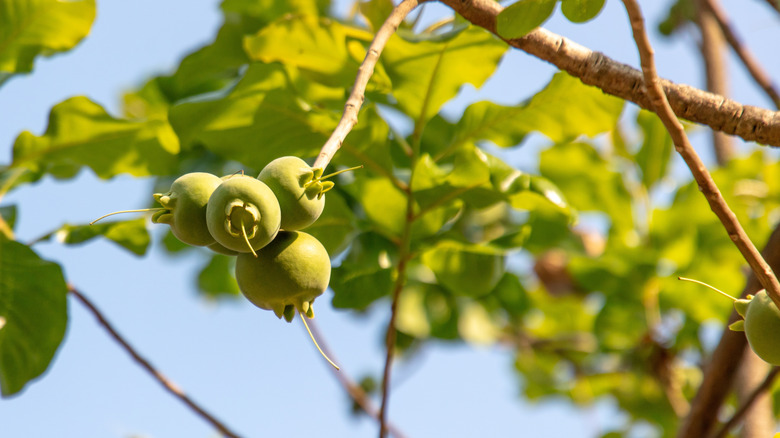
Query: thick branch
[
  {"x": 761, "y": 391},
  {"x": 167, "y": 384},
  {"x": 594, "y": 68},
  {"x": 350, "y": 116}
]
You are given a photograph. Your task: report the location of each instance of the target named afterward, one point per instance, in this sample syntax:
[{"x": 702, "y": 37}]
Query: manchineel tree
[{"x": 429, "y": 224}]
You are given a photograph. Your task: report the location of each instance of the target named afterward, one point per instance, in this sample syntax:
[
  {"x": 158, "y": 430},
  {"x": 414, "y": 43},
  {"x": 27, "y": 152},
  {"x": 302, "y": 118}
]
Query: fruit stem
[
  {"x": 142, "y": 210},
  {"x": 322, "y": 178},
  {"x": 246, "y": 238},
  {"x": 303, "y": 318},
  {"x": 711, "y": 287}
]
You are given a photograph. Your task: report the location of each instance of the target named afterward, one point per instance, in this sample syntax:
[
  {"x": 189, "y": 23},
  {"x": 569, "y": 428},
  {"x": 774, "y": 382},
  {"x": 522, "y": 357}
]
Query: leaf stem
[
  {"x": 352, "y": 107},
  {"x": 157, "y": 375}
]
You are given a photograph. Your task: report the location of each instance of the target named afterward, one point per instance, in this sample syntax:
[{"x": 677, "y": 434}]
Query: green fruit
[
  {"x": 298, "y": 188},
  {"x": 242, "y": 214},
  {"x": 761, "y": 325},
  {"x": 287, "y": 275},
  {"x": 184, "y": 207}
]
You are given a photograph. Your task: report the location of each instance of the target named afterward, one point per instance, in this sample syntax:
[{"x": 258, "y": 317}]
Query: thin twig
[
  {"x": 612, "y": 77},
  {"x": 742, "y": 410},
  {"x": 745, "y": 55},
  {"x": 167, "y": 384},
  {"x": 775, "y": 4},
  {"x": 354, "y": 390},
  {"x": 698, "y": 169},
  {"x": 350, "y": 116}
]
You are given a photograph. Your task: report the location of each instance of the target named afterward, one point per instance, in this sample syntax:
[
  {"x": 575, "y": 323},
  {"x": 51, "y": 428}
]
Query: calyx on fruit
[
  {"x": 184, "y": 208},
  {"x": 761, "y": 325},
  {"x": 299, "y": 188},
  {"x": 242, "y": 214},
  {"x": 287, "y": 276}
]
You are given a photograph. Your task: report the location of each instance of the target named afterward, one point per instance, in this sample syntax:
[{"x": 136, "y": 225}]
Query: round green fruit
[
  {"x": 184, "y": 207},
  {"x": 761, "y": 325},
  {"x": 299, "y": 190},
  {"x": 287, "y": 275},
  {"x": 242, "y": 214}
]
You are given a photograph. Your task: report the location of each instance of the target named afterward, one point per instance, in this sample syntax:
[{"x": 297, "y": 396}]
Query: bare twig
[
  {"x": 167, "y": 384},
  {"x": 350, "y": 117},
  {"x": 745, "y": 55},
  {"x": 775, "y": 4},
  {"x": 742, "y": 410},
  {"x": 354, "y": 391},
  {"x": 593, "y": 68},
  {"x": 700, "y": 173}
]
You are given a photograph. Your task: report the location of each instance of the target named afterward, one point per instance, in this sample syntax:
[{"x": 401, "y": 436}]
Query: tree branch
[
  {"x": 593, "y": 68},
  {"x": 167, "y": 384},
  {"x": 745, "y": 55},
  {"x": 354, "y": 391},
  {"x": 351, "y": 109},
  {"x": 748, "y": 402}
]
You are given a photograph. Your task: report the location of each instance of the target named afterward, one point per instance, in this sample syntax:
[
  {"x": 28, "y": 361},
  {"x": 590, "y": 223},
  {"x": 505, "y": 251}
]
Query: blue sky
[{"x": 260, "y": 375}]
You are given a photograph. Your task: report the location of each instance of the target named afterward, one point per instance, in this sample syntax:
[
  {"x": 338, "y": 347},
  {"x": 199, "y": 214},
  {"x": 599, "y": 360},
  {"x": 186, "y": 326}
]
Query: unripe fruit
[
  {"x": 287, "y": 275},
  {"x": 299, "y": 190},
  {"x": 184, "y": 207},
  {"x": 761, "y": 325},
  {"x": 243, "y": 214}
]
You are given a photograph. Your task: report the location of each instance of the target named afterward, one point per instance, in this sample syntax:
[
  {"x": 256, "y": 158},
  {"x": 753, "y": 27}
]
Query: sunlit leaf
[
  {"x": 30, "y": 28},
  {"x": 421, "y": 72},
  {"x": 376, "y": 12},
  {"x": 523, "y": 16},
  {"x": 33, "y": 315},
  {"x": 81, "y": 133},
  {"x": 335, "y": 225},
  {"x": 435, "y": 184},
  {"x": 580, "y": 11},
  {"x": 131, "y": 235}
]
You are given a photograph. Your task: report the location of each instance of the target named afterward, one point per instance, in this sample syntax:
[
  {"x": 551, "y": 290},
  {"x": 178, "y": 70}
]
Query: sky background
[{"x": 259, "y": 375}]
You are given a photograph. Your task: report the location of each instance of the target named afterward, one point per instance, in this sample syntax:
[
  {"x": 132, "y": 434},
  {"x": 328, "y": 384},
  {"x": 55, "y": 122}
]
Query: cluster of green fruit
[{"x": 278, "y": 267}]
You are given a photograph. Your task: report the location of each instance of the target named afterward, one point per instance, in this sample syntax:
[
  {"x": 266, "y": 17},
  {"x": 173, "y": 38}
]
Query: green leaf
[
  {"x": 335, "y": 225},
  {"x": 131, "y": 235},
  {"x": 564, "y": 110},
  {"x": 217, "y": 279},
  {"x": 455, "y": 265},
  {"x": 318, "y": 46},
  {"x": 524, "y": 16},
  {"x": 654, "y": 155},
  {"x": 580, "y": 11},
  {"x": 376, "y": 12},
  {"x": 81, "y": 133},
  {"x": 270, "y": 10},
  {"x": 368, "y": 144},
  {"x": 358, "y": 291},
  {"x": 434, "y": 184},
  {"x": 9, "y": 214},
  {"x": 384, "y": 204},
  {"x": 29, "y": 28},
  {"x": 420, "y": 72},
  {"x": 33, "y": 315}
]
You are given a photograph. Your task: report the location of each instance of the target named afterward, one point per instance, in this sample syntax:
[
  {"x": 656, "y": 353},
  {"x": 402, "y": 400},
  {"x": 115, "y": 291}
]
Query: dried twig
[
  {"x": 167, "y": 384},
  {"x": 700, "y": 173},
  {"x": 742, "y": 410},
  {"x": 745, "y": 55},
  {"x": 593, "y": 68},
  {"x": 350, "y": 116}
]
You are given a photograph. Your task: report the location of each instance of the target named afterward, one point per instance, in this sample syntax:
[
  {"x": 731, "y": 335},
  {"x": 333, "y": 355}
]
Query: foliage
[{"x": 600, "y": 315}]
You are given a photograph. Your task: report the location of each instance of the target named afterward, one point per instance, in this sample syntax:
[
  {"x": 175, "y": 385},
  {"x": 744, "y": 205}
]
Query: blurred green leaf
[
  {"x": 9, "y": 214},
  {"x": 420, "y": 71},
  {"x": 33, "y": 314},
  {"x": 336, "y": 224},
  {"x": 653, "y": 157},
  {"x": 217, "y": 278},
  {"x": 81, "y": 133},
  {"x": 511, "y": 295},
  {"x": 376, "y": 12},
  {"x": 580, "y": 11},
  {"x": 29, "y": 28},
  {"x": 270, "y": 10},
  {"x": 522, "y": 17},
  {"x": 455, "y": 265},
  {"x": 359, "y": 290},
  {"x": 131, "y": 235}
]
